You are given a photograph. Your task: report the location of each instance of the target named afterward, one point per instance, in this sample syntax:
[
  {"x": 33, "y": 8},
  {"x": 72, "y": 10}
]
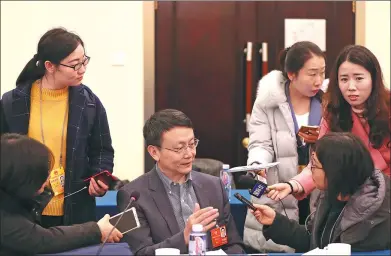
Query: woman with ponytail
[
  {"x": 286, "y": 100},
  {"x": 50, "y": 104}
]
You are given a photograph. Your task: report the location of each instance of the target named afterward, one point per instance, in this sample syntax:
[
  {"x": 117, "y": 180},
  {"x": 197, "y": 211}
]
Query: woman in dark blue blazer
[{"x": 81, "y": 142}]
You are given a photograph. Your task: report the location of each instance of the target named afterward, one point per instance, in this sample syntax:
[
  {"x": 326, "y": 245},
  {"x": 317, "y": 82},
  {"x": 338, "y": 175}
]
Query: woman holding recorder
[{"x": 355, "y": 212}]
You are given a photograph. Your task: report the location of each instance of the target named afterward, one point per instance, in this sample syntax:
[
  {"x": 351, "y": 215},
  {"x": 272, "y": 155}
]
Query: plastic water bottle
[
  {"x": 226, "y": 178},
  {"x": 197, "y": 240}
]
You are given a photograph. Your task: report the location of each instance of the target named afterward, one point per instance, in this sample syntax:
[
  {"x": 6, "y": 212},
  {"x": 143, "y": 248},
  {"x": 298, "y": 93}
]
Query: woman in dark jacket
[
  {"x": 51, "y": 105},
  {"x": 354, "y": 207},
  {"x": 25, "y": 165}
]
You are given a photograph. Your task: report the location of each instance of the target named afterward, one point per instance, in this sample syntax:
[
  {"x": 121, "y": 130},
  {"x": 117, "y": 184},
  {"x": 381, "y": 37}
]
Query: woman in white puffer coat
[{"x": 286, "y": 100}]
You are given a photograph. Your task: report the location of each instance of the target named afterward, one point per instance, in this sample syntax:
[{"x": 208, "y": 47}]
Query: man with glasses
[{"x": 173, "y": 197}]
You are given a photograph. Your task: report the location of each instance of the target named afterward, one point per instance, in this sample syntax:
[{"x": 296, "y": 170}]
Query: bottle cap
[
  {"x": 226, "y": 166},
  {"x": 197, "y": 228}
]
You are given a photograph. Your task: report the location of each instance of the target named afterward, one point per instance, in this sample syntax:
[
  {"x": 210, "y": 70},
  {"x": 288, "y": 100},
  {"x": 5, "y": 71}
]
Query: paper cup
[
  {"x": 339, "y": 249},
  {"x": 167, "y": 251}
]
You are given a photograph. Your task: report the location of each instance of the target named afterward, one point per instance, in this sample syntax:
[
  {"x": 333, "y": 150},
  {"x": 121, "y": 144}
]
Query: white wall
[
  {"x": 107, "y": 28},
  {"x": 127, "y": 27},
  {"x": 373, "y": 31}
]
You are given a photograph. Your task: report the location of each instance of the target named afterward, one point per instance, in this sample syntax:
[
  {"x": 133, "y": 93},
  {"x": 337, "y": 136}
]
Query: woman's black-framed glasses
[
  {"x": 313, "y": 167},
  {"x": 79, "y": 65}
]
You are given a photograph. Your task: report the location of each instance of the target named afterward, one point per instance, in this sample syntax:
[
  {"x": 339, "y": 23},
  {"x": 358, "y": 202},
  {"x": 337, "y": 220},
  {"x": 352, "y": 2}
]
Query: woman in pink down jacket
[{"x": 356, "y": 101}]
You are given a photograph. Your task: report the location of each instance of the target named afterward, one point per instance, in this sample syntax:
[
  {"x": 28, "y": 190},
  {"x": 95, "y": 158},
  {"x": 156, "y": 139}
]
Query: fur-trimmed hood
[{"x": 271, "y": 89}]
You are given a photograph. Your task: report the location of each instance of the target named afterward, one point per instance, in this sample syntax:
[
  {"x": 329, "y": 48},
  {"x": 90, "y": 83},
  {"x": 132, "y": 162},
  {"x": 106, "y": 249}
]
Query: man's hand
[
  {"x": 206, "y": 217},
  {"x": 97, "y": 188}
]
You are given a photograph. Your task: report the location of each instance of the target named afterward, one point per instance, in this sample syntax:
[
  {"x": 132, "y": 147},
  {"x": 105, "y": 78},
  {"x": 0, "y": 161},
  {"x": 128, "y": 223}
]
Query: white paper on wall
[{"x": 313, "y": 30}]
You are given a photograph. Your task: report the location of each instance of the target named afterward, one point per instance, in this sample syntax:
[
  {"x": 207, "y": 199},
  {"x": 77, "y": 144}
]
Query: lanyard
[{"x": 41, "y": 119}]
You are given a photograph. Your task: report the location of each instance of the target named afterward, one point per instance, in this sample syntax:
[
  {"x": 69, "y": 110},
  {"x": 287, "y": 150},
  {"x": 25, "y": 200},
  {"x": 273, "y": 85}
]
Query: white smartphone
[{"x": 128, "y": 222}]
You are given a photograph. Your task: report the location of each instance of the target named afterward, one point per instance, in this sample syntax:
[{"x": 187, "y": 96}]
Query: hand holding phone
[
  {"x": 100, "y": 183},
  {"x": 309, "y": 133},
  {"x": 264, "y": 214},
  {"x": 245, "y": 201},
  {"x": 128, "y": 222},
  {"x": 105, "y": 228},
  {"x": 105, "y": 176},
  {"x": 308, "y": 129}
]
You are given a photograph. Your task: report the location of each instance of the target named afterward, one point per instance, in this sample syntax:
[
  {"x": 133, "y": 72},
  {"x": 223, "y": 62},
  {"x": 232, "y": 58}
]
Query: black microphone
[
  {"x": 256, "y": 188},
  {"x": 251, "y": 174},
  {"x": 134, "y": 196}
]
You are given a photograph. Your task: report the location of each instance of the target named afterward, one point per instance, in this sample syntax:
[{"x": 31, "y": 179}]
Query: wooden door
[{"x": 199, "y": 60}]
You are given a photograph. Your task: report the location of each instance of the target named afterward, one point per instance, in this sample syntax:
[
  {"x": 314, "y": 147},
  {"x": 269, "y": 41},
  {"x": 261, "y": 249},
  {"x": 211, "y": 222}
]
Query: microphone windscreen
[
  {"x": 246, "y": 181},
  {"x": 135, "y": 195}
]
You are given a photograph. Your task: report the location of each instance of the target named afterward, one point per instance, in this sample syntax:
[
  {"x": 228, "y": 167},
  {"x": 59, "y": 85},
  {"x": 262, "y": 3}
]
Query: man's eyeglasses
[
  {"x": 78, "y": 65},
  {"x": 183, "y": 149}
]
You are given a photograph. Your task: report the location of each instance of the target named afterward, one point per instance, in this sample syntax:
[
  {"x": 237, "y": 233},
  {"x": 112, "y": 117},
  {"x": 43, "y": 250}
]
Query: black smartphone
[{"x": 245, "y": 201}]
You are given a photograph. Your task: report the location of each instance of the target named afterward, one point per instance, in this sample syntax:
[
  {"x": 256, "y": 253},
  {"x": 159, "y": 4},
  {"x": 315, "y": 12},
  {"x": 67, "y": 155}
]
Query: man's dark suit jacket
[{"x": 159, "y": 228}]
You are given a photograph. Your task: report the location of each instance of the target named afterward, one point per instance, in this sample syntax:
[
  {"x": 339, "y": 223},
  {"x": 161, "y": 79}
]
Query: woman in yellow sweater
[{"x": 50, "y": 104}]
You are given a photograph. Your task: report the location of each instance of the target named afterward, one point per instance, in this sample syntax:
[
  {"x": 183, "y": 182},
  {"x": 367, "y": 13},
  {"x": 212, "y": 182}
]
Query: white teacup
[
  {"x": 338, "y": 249},
  {"x": 167, "y": 251}
]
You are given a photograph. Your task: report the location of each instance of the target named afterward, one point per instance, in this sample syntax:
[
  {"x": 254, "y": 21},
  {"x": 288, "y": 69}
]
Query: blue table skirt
[
  {"x": 108, "y": 249},
  {"x": 106, "y": 204},
  {"x": 374, "y": 253},
  {"x": 123, "y": 249}
]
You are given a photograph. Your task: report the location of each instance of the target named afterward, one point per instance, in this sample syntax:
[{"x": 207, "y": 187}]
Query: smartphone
[
  {"x": 307, "y": 128},
  {"x": 106, "y": 177},
  {"x": 128, "y": 222},
  {"x": 245, "y": 201}
]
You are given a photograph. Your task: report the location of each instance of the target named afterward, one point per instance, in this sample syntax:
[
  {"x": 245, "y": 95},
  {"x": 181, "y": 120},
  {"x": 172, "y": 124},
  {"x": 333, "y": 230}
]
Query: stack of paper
[
  {"x": 218, "y": 252},
  {"x": 316, "y": 251}
]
